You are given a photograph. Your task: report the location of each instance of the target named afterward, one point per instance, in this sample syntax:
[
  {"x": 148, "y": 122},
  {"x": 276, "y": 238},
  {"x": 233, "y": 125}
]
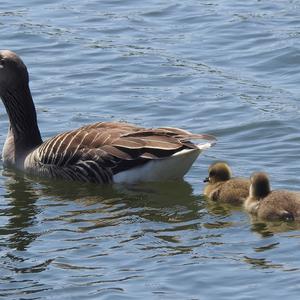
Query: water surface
[{"x": 229, "y": 68}]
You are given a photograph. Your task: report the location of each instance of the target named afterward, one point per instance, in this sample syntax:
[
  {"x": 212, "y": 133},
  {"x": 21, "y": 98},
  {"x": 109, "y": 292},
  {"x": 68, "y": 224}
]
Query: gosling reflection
[{"x": 269, "y": 228}]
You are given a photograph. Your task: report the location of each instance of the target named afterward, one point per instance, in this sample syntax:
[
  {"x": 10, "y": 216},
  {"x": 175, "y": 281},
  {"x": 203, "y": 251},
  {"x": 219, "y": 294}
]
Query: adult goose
[{"x": 103, "y": 152}]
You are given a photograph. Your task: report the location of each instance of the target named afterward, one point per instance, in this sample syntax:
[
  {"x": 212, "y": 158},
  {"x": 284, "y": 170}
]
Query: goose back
[{"x": 95, "y": 153}]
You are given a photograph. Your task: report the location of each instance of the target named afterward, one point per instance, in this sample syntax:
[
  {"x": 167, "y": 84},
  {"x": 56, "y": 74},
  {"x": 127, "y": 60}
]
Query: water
[{"x": 229, "y": 68}]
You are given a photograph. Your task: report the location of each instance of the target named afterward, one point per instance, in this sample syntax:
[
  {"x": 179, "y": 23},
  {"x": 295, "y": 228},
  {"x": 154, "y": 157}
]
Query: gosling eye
[{"x": 212, "y": 174}]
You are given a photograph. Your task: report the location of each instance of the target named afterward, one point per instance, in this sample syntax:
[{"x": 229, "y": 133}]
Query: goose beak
[{"x": 206, "y": 179}]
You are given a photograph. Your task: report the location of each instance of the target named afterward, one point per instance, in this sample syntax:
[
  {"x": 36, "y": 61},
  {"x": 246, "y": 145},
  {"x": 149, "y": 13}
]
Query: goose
[
  {"x": 271, "y": 205},
  {"x": 104, "y": 152},
  {"x": 221, "y": 186}
]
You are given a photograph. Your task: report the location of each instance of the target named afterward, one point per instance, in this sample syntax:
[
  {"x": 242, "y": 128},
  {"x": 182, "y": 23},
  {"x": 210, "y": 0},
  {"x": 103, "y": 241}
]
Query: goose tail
[{"x": 171, "y": 168}]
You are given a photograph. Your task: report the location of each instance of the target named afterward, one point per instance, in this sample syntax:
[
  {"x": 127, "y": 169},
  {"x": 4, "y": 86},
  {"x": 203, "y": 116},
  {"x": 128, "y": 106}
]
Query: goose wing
[{"x": 96, "y": 152}]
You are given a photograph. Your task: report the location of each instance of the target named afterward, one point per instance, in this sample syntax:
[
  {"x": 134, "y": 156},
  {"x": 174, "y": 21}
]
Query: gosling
[
  {"x": 222, "y": 187},
  {"x": 271, "y": 205}
]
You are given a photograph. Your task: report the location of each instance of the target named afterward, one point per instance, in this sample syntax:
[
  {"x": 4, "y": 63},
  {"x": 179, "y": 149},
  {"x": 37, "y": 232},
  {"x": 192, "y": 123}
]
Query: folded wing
[{"x": 94, "y": 153}]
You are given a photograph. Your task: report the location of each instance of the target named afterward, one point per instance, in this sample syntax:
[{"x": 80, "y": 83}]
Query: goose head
[{"x": 13, "y": 73}]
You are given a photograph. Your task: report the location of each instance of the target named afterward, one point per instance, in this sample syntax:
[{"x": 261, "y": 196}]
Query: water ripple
[{"x": 226, "y": 68}]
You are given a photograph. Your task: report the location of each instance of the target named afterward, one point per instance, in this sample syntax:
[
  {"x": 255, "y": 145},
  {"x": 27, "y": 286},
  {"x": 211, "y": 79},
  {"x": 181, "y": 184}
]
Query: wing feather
[{"x": 95, "y": 152}]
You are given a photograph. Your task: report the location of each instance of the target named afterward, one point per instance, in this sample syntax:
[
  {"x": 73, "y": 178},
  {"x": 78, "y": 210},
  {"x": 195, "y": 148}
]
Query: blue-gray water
[{"x": 229, "y": 68}]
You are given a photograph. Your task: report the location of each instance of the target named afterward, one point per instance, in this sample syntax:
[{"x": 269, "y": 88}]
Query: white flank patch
[{"x": 173, "y": 167}]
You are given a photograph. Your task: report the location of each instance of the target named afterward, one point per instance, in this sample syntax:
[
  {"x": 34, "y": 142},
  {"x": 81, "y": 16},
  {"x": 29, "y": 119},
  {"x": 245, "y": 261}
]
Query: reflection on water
[
  {"x": 169, "y": 202},
  {"x": 88, "y": 230},
  {"x": 21, "y": 210},
  {"x": 271, "y": 227},
  {"x": 53, "y": 217},
  {"x": 261, "y": 263}
]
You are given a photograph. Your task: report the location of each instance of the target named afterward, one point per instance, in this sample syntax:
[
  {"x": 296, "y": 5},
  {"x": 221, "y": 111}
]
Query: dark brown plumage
[
  {"x": 222, "y": 187},
  {"x": 271, "y": 205}
]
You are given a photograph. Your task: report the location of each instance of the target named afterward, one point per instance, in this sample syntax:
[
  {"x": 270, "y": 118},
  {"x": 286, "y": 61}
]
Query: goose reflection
[
  {"x": 169, "y": 202},
  {"x": 21, "y": 211},
  {"x": 105, "y": 205}
]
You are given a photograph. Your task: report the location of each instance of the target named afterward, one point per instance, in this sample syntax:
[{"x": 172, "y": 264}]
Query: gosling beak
[{"x": 206, "y": 179}]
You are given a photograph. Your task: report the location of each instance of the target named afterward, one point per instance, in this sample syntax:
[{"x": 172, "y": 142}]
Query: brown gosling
[
  {"x": 271, "y": 205},
  {"x": 221, "y": 186}
]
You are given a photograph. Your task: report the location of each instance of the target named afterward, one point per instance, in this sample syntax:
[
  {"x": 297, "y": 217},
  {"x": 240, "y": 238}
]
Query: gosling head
[
  {"x": 219, "y": 171},
  {"x": 260, "y": 185},
  {"x": 13, "y": 72}
]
